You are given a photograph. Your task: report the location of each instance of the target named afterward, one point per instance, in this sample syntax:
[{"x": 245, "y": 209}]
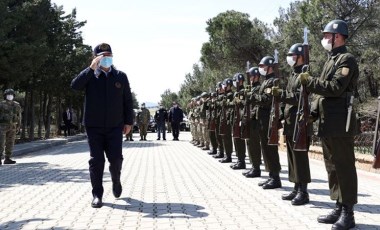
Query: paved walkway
[{"x": 167, "y": 185}]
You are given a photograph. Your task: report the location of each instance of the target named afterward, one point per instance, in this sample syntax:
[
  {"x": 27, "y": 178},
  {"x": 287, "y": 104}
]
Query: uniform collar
[
  {"x": 297, "y": 69},
  {"x": 271, "y": 75},
  {"x": 338, "y": 50}
]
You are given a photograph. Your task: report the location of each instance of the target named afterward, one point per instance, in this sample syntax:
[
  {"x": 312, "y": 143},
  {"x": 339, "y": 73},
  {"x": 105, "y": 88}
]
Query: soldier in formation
[{"x": 10, "y": 121}]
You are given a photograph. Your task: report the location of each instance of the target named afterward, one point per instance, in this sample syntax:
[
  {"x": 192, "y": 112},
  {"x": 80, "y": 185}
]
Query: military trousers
[
  {"x": 143, "y": 128},
  {"x": 253, "y": 145},
  {"x": 213, "y": 141},
  {"x": 219, "y": 138},
  {"x": 270, "y": 152},
  {"x": 298, "y": 163},
  {"x": 227, "y": 141},
  {"x": 106, "y": 141},
  {"x": 240, "y": 148},
  {"x": 7, "y": 138},
  {"x": 339, "y": 157},
  {"x": 206, "y": 136}
]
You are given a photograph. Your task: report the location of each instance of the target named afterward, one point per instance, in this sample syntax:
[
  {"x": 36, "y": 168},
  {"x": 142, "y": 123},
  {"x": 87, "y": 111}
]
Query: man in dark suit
[
  {"x": 108, "y": 114},
  {"x": 175, "y": 118},
  {"x": 67, "y": 119}
]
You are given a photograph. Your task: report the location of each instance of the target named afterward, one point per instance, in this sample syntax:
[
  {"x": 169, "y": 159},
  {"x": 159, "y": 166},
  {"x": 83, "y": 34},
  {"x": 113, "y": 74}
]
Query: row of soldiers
[{"x": 240, "y": 113}]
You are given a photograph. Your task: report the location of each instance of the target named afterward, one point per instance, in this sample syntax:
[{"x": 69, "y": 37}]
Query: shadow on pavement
[
  {"x": 39, "y": 173},
  {"x": 21, "y": 223},
  {"x": 161, "y": 210},
  {"x": 140, "y": 144},
  {"x": 367, "y": 208}
]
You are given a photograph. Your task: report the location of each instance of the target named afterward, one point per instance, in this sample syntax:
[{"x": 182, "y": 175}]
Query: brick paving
[{"x": 166, "y": 185}]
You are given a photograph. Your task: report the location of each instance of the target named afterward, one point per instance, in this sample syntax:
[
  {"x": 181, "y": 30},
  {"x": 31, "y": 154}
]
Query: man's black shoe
[
  {"x": 332, "y": 216},
  {"x": 131, "y": 139},
  {"x": 261, "y": 183},
  {"x": 164, "y": 139},
  {"x": 212, "y": 152},
  {"x": 253, "y": 173},
  {"x": 239, "y": 165},
  {"x": 289, "y": 196},
  {"x": 96, "y": 202},
  {"x": 246, "y": 172},
  {"x": 226, "y": 160},
  {"x": 301, "y": 198},
  {"x": 126, "y": 140},
  {"x": 219, "y": 155},
  {"x": 116, "y": 189},
  {"x": 141, "y": 139},
  {"x": 273, "y": 183},
  {"x": 158, "y": 139}
]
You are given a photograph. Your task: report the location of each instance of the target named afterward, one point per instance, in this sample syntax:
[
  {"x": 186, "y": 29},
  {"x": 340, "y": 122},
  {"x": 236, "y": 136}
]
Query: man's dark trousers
[
  {"x": 108, "y": 141},
  {"x": 175, "y": 129}
]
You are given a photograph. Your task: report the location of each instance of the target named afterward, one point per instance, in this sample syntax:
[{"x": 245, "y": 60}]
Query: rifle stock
[
  {"x": 223, "y": 120},
  {"x": 273, "y": 136},
  {"x": 376, "y": 141},
  {"x": 237, "y": 120},
  {"x": 245, "y": 128}
]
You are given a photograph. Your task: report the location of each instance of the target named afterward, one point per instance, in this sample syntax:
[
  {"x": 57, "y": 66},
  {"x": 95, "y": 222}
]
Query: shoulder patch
[
  {"x": 345, "y": 71},
  {"x": 268, "y": 90}
]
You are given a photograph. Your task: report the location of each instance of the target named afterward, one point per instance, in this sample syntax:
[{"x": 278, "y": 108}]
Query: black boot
[
  {"x": 275, "y": 182},
  {"x": 212, "y": 152},
  {"x": 253, "y": 173},
  {"x": 144, "y": 137},
  {"x": 346, "y": 219},
  {"x": 302, "y": 196},
  {"x": 226, "y": 160},
  {"x": 9, "y": 161},
  {"x": 332, "y": 216},
  {"x": 292, "y": 194},
  {"x": 262, "y": 183},
  {"x": 219, "y": 155},
  {"x": 239, "y": 165},
  {"x": 247, "y": 172}
]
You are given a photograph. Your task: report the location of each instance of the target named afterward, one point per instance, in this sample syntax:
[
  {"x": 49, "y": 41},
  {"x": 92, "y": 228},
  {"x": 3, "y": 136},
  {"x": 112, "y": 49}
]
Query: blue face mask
[{"x": 106, "y": 62}]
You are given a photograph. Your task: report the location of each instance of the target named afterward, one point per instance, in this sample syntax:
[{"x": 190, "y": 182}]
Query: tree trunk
[
  {"x": 31, "y": 114},
  {"x": 48, "y": 116},
  {"x": 40, "y": 116},
  {"x": 25, "y": 116}
]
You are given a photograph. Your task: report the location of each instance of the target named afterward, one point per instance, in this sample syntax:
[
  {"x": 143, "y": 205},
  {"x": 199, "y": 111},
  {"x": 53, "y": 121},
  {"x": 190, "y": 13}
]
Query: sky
[{"x": 156, "y": 43}]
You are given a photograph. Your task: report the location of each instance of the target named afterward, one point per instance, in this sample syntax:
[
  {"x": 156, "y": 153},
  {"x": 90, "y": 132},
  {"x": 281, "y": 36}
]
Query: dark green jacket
[{"x": 333, "y": 90}]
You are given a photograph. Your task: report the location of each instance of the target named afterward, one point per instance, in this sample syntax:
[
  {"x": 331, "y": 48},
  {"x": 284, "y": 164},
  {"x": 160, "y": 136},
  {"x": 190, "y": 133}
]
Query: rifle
[
  {"x": 376, "y": 141},
  {"x": 212, "y": 109},
  {"x": 223, "y": 118},
  {"x": 300, "y": 135},
  {"x": 245, "y": 130},
  {"x": 237, "y": 121},
  {"x": 273, "y": 136}
]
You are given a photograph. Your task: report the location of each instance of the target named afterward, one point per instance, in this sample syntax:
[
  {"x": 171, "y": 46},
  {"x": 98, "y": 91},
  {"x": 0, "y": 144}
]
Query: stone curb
[{"x": 25, "y": 148}]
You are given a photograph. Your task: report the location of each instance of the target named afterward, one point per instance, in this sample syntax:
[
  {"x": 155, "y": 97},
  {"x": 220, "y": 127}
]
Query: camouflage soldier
[
  {"x": 253, "y": 143},
  {"x": 190, "y": 109},
  {"x": 129, "y": 135},
  {"x": 10, "y": 121},
  {"x": 331, "y": 105},
  {"x": 238, "y": 82},
  {"x": 198, "y": 128},
  {"x": 264, "y": 101},
  {"x": 143, "y": 118}
]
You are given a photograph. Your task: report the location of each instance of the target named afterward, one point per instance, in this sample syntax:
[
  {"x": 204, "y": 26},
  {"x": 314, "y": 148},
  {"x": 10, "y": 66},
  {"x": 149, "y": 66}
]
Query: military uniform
[
  {"x": 253, "y": 143},
  {"x": 10, "y": 121},
  {"x": 219, "y": 137},
  {"x": 143, "y": 118},
  {"x": 225, "y": 126},
  {"x": 270, "y": 152},
  {"x": 298, "y": 161},
  {"x": 204, "y": 113},
  {"x": 334, "y": 91},
  {"x": 211, "y": 117},
  {"x": 239, "y": 143}
]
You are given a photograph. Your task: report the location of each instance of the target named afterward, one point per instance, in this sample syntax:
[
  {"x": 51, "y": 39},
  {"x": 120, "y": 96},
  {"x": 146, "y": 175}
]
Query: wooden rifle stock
[
  {"x": 376, "y": 141},
  {"x": 301, "y": 142},
  {"x": 273, "y": 136},
  {"x": 212, "y": 123}
]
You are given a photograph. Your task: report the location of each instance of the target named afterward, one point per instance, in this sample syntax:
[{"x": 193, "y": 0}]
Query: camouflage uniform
[
  {"x": 204, "y": 113},
  {"x": 143, "y": 118},
  {"x": 10, "y": 120}
]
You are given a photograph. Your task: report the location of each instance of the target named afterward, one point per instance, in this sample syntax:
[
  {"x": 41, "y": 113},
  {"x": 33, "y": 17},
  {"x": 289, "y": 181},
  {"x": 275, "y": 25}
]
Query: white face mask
[
  {"x": 262, "y": 71},
  {"x": 290, "y": 60},
  {"x": 235, "y": 84},
  {"x": 10, "y": 97},
  {"x": 326, "y": 45}
]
